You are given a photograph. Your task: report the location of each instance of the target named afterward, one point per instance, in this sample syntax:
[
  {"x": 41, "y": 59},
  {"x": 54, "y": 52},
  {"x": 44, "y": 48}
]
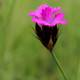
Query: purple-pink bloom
[
  {"x": 48, "y": 18},
  {"x": 45, "y": 16}
]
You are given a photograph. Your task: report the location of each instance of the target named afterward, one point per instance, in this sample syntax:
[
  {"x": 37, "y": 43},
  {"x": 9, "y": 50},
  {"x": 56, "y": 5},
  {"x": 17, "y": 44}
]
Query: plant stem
[{"x": 59, "y": 66}]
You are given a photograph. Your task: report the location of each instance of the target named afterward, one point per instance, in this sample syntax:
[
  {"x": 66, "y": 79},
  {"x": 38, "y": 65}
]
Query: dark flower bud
[{"x": 47, "y": 35}]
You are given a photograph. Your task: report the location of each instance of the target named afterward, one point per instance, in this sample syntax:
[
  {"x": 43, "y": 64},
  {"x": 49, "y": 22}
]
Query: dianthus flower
[{"x": 46, "y": 16}]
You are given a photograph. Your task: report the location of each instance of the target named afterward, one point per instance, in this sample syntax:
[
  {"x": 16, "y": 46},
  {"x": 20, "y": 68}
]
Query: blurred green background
[{"x": 23, "y": 57}]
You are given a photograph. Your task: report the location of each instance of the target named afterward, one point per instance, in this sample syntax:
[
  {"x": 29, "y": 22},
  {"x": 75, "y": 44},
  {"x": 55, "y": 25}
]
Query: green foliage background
[{"x": 23, "y": 57}]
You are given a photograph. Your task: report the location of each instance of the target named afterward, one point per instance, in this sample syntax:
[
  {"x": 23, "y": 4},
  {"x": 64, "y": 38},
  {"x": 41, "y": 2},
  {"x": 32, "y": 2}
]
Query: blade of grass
[
  {"x": 10, "y": 12},
  {"x": 5, "y": 26}
]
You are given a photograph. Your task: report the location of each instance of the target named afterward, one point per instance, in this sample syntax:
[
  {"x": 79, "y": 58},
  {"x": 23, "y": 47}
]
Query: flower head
[
  {"x": 44, "y": 16},
  {"x": 48, "y": 33}
]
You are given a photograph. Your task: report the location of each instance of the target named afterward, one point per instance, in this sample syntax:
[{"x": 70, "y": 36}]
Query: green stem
[{"x": 59, "y": 66}]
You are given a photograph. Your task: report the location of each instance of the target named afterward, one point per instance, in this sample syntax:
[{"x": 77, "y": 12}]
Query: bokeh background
[{"x": 23, "y": 57}]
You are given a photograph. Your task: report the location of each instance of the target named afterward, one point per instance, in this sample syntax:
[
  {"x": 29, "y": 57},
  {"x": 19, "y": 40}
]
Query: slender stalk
[{"x": 59, "y": 66}]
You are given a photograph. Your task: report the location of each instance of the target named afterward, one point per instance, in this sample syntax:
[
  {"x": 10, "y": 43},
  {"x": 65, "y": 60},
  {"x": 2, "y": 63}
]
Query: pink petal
[
  {"x": 47, "y": 13},
  {"x": 62, "y": 22},
  {"x": 42, "y": 7},
  {"x": 59, "y": 22},
  {"x": 40, "y": 21},
  {"x": 59, "y": 16},
  {"x": 31, "y": 13},
  {"x": 56, "y": 10},
  {"x": 37, "y": 12}
]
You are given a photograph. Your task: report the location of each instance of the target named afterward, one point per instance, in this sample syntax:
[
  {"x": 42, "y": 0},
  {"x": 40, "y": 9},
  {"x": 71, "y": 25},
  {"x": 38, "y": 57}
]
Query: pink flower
[
  {"x": 47, "y": 17},
  {"x": 44, "y": 16}
]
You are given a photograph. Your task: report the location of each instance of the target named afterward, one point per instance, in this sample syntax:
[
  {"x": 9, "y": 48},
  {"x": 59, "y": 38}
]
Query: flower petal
[
  {"x": 40, "y": 21},
  {"x": 59, "y": 22},
  {"x": 44, "y": 16},
  {"x": 56, "y": 10},
  {"x": 59, "y": 16},
  {"x": 47, "y": 13},
  {"x": 62, "y": 22},
  {"x": 42, "y": 7},
  {"x": 37, "y": 12},
  {"x": 31, "y": 13}
]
